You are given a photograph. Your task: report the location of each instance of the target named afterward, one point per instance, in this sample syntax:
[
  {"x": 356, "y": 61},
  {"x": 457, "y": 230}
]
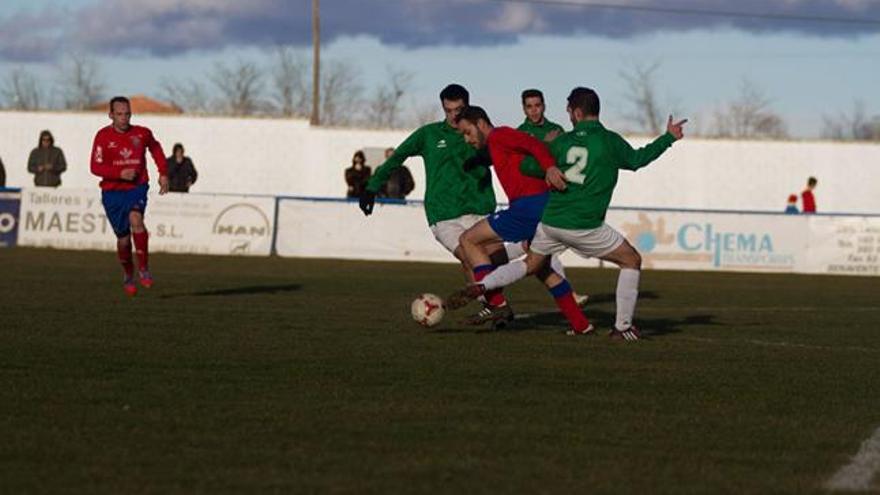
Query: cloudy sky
[{"x": 809, "y": 57}]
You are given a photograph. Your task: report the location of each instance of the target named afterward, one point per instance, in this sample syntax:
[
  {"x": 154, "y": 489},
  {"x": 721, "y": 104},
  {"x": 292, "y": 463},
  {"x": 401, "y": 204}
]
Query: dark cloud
[{"x": 168, "y": 27}]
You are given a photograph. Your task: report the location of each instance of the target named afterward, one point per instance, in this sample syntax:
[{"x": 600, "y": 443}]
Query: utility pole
[{"x": 316, "y": 63}]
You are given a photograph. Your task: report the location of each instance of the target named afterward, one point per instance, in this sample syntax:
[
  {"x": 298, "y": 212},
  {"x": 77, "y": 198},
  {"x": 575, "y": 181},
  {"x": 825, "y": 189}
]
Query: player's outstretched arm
[
  {"x": 634, "y": 159},
  {"x": 411, "y": 146}
]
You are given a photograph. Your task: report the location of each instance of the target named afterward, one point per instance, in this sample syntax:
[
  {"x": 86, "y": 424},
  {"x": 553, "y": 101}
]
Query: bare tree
[
  {"x": 423, "y": 114},
  {"x": 641, "y": 92},
  {"x": 80, "y": 81},
  {"x": 748, "y": 116},
  {"x": 21, "y": 90},
  {"x": 341, "y": 93},
  {"x": 240, "y": 87},
  {"x": 191, "y": 96},
  {"x": 852, "y": 127},
  {"x": 385, "y": 107},
  {"x": 290, "y": 80}
]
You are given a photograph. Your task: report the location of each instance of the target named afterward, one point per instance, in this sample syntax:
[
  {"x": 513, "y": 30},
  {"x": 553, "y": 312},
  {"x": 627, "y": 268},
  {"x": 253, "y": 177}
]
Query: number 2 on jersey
[{"x": 577, "y": 158}]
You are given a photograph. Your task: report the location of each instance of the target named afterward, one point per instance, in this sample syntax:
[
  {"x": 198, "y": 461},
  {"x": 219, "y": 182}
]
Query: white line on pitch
[{"x": 857, "y": 475}]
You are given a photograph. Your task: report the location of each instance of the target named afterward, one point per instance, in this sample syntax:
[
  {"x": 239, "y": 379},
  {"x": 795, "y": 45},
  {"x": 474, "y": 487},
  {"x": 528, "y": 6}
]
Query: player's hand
[
  {"x": 163, "y": 184},
  {"x": 555, "y": 178},
  {"x": 550, "y": 136},
  {"x": 128, "y": 174},
  {"x": 367, "y": 200},
  {"x": 676, "y": 129}
]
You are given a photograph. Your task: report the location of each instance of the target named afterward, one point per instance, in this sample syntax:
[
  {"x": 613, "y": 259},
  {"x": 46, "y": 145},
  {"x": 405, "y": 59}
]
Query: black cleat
[{"x": 491, "y": 314}]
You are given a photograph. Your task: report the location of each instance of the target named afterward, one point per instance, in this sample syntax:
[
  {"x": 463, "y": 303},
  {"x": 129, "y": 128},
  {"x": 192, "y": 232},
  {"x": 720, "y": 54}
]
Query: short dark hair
[
  {"x": 812, "y": 181},
  {"x": 532, "y": 93},
  {"x": 585, "y": 99},
  {"x": 455, "y": 92},
  {"x": 119, "y": 99},
  {"x": 177, "y": 146},
  {"x": 472, "y": 115},
  {"x": 359, "y": 154}
]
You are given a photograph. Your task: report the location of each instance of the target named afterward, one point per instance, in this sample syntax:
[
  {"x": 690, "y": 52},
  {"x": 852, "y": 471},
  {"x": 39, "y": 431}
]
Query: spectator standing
[
  {"x": 357, "y": 175},
  {"x": 47, "y": 162},
  {"x": 400, "y": 182},
  {"x": 791, "y": 207},
  {"x": 2, "y": 174},
  {"x": 181, "y": 171},
  {"x": 808, "y": 201}
]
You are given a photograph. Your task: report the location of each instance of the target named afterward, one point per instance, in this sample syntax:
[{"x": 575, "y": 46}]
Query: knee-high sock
[
  {"x": 556, "y": 265},
  {"x": 514, "y": 250},
  {"x": 141, "y": 249},
  {"x": 568, "y": 306},
  {"x": 505, "y": 275},
  {"x": 495, "y": 297},
  {"x": 123, "y": 252},
  {"x": 627, "y": 295}
]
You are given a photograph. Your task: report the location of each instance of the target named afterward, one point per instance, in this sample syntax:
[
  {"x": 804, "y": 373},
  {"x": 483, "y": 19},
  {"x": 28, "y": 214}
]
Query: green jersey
[
  {"x": 450, "y": 191},
  {"x": 590, "y": 156},
  {"x": 529, "y": 166}
]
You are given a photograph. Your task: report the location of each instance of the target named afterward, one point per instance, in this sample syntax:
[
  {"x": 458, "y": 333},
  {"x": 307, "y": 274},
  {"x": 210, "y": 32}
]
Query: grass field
[{"x": 279, "y": 375}]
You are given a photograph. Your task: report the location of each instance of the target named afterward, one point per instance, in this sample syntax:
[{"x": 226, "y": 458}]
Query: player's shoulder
[{"x": 140, "y": 129}]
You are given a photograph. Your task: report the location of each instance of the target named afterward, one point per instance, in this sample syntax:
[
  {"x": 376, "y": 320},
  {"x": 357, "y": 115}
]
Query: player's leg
[
  {"x": 141, "y": 247},
  {"x": 477, "y": 243},
  {"x": 563, "y": 295},
  {"x": 630, "y": 262},
  {"x": 114, "y": 203},
  {"x": 556, "y": 265}
]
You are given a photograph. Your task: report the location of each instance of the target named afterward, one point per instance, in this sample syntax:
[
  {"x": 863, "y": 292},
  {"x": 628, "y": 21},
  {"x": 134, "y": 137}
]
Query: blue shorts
[
  {"x": 518, "y": 222},
  {"x": 118, "y": 204}
]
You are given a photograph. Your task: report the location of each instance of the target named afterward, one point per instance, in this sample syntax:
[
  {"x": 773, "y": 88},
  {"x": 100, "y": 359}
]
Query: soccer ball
[{"x": 428, "y": 310}]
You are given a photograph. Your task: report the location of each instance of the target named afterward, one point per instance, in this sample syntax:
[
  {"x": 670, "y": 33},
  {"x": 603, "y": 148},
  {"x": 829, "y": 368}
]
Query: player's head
[
  {"x": 120, "y": 112},
  {"x": 474, "y": 125},
  {"x": 453, "y": 98},
  {"x": 533, "y": 105},
  {"x": 811, "y": 182},
  {"x": 583, "y": 104}
]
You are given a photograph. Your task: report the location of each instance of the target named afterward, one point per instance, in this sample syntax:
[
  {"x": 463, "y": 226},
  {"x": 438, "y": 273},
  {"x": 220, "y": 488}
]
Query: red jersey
[
  {"x": 508, "y": 147},
  {"x": 808, "y": 202},
  {"x": 114, "y": 151}
]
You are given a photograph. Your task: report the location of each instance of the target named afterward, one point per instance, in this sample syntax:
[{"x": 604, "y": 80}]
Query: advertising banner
[
  {"x": 10, "y": 203},
  {"x": 844, "y": 245},
  {"x": 674, "y": 240},
  {"x": 180, "y": 223}
]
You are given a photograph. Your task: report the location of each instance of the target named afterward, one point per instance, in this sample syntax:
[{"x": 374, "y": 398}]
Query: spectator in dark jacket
[
  {"x": 181, "y": 171},
  {"x": 47, "y": 162},
  {"x": 357, "y": 175},
  {"x": 2, "y": 174}
]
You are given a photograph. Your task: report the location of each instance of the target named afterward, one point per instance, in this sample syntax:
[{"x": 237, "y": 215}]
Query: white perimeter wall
[{"x": 286, "y": 157}]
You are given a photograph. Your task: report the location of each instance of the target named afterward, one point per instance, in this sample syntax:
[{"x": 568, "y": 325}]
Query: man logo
[
  {"x": 7, "y": 223},
  {"x": 242, "y": 224}
]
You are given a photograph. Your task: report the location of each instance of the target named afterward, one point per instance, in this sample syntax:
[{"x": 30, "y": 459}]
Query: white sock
[
  {"x": 556, "y": 265},
  {"x": 505, "y": 275},
  {"x": 627, "y": 295},
  {"x": 514, "y": 250}
]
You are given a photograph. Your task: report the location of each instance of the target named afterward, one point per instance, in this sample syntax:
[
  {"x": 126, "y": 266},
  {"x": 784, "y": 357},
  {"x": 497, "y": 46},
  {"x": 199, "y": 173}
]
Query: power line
[{"x": 699, "y": 12}]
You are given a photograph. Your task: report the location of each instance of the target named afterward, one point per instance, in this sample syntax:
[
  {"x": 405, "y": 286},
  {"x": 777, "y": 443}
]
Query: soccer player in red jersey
[
  {"x": 528, "y": 196},
  {"x": 119, "y": 158}
]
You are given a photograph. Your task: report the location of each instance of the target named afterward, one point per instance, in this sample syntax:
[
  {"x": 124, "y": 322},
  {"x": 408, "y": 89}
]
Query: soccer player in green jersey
[
  {"x": 589, "y": 158},
  {"x": 536, "y": 124},
  {"x": 456, "y": 196}
]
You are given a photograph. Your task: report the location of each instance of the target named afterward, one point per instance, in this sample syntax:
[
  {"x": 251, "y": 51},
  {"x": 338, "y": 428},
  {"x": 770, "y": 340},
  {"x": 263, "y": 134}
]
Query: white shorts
[
  {"x": 590, "y": 243},
  {"x": 447, "y": 232}
]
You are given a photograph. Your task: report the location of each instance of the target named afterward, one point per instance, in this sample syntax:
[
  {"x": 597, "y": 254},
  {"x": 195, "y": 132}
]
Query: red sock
[
  {"x": 565, "y": 300},
  {"x": 141, "y": 249},
  {"x": 494, "y": 297},
  {"x": 123, "y": 252}
]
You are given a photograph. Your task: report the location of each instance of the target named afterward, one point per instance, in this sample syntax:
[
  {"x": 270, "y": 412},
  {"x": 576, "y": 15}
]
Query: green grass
[{"x": 280, "y": 375}]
